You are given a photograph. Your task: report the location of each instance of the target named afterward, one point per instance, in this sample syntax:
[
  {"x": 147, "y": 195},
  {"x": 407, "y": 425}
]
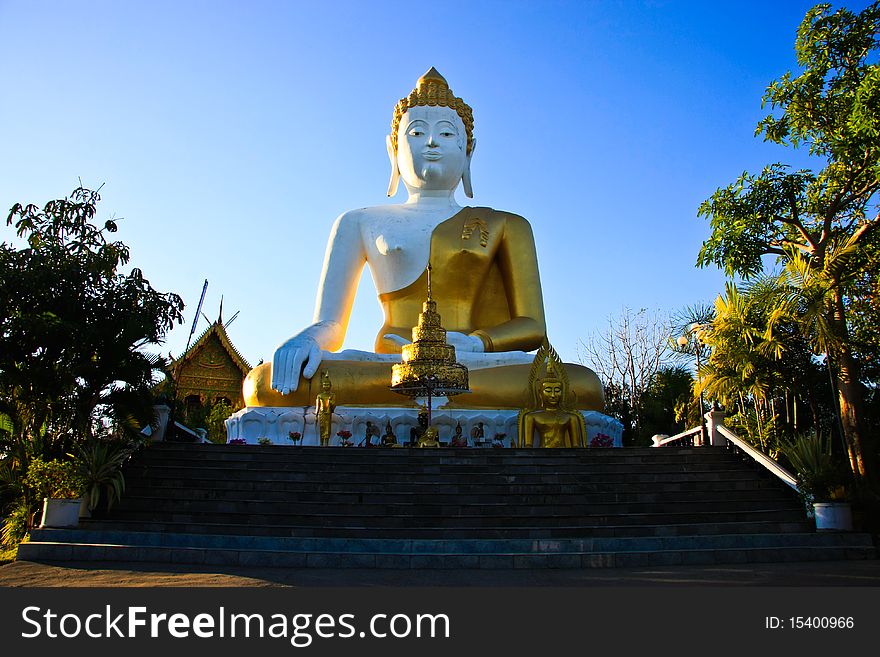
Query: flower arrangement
[
  {"x": 264, "y": 441},
  {"x": 238, "y": 441},
  {"x": 295, "y": 436},
  {"x": 602, "y": 440},
  {"x": 345, "y": 437},
  {"x": 498, "y": 440}
]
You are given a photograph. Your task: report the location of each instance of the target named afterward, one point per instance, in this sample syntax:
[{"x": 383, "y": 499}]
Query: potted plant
[
  {"x": 821, "y": 481},
  {"x": 99, "y": 468},
  {"x": 60, "y": 487}
]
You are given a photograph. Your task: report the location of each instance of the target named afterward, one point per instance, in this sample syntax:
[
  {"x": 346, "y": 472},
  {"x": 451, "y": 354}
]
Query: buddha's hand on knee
[
  {"x": 464, "y": 342},
  {"x": 299, "y": 354},
  {"x": 396, "y": 340}
]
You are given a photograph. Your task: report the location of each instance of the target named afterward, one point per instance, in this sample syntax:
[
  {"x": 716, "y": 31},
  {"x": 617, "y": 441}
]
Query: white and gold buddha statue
[{"x": 485, "y": 278}]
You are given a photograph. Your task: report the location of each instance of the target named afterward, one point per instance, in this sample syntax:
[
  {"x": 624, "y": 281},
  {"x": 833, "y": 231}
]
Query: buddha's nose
[{"x": 432, "y": 140}]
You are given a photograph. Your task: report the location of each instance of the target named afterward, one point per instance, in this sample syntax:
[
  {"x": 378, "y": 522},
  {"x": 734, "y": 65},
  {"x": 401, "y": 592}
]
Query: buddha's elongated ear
[
  {"x": 395, "y": 170},
  {"x": 466, "y": 176}
]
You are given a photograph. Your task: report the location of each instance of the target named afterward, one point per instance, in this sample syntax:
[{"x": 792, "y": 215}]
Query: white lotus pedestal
[{"x": 276, "y": 424}]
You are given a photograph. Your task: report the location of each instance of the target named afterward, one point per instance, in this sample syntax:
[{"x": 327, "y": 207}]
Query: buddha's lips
[{"x": 432, "y": 155}]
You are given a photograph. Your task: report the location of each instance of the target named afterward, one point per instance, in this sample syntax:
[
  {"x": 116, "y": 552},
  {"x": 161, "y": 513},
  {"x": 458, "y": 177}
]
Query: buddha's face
[
  {"x": 551, "y": 394},
  {"x": 431, "y": 148}
]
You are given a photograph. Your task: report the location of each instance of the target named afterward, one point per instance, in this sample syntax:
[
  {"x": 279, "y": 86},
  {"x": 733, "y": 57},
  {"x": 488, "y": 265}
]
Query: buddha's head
[
  {"x": 431, "y": 140},
  {"x": 551, "y": 393},
  {"x": 552, "y": 387},
  {"x": 325, "y": 381}
]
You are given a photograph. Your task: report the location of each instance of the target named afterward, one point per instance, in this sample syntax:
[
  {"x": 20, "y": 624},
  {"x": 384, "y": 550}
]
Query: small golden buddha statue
[
  {"x": 550, "y": 422},
  {"x": 431, "y": 438},
  {"x": 325, "y": 404}
]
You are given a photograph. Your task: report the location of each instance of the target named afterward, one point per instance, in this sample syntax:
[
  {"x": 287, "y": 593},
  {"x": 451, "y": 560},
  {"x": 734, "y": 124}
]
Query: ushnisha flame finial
[{"x": 433, "y": 90}]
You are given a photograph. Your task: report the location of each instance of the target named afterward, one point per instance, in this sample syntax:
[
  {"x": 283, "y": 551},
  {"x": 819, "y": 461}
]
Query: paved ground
[{"x": 849, "y": 573}]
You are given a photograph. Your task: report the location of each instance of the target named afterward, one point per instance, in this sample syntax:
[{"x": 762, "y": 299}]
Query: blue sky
[{"x": 229, "y": 136}]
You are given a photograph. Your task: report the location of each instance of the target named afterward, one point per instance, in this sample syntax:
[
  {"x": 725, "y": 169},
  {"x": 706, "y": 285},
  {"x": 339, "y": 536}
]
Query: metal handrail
[
  {"x": 678, "y": 436},
  {"x": 762, "y": 459}
]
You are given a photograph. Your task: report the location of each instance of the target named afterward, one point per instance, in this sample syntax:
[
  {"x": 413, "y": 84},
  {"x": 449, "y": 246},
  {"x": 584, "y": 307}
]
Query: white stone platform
[{"x": 276, "y": 423}]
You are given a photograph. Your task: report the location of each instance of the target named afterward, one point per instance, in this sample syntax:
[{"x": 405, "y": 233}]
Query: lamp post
[
  {"x": 684, "y": 341},
  {"x": 430, "y": 385}
]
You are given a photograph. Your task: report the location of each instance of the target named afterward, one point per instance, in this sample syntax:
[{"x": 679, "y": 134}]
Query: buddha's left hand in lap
[{"x": 461, "y": 341}]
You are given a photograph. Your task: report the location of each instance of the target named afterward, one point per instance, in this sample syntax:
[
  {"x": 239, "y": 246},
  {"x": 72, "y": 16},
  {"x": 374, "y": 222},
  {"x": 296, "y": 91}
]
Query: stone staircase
[{"x": 299, "y": 507}]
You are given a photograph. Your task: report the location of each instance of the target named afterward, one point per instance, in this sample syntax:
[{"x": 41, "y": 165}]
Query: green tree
[
  {"x": 827, "y": 216},
  {"x": 215, "y": 422},
  {"x": 668, "y": 394},
  {"x": 760, "y": 365},
  {"x": 73, "y": 328},
  {"x": 73, "y": 325}
]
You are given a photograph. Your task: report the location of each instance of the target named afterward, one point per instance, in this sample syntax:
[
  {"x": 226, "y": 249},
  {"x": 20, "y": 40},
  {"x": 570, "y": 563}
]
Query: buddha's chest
[
  {"x": 399, "y": 247},
  {"x": 395, "y": 239}
]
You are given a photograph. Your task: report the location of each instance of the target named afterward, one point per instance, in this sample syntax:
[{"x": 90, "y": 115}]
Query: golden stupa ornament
[
  {"x": 432, "y": 90},
  {"x": 428, "y": 368},
  {"x": 550, "y": 420}
]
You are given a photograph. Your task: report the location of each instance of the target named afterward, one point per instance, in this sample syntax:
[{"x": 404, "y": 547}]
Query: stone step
[
  {"x": 488, "y": 532},
  {"x": 409, "y": 459},
  {"x": 451, "y": 507},
  {"x": 283, "y": 490},
  {"x": 444, "y": 554},
  {"x": 329, "y": 458},
  {"x": 446, "y": 546},
  {"x": 168, "y": 450},
  {"x": 319, "y": 518},
  {"x": 271, "y": 472},
  {"x": 441, "y": 495},
  {"x": 746, "y": 481}
]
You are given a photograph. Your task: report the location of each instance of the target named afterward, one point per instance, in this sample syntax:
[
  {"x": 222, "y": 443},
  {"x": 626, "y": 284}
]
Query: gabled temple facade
[{"x": 211, "y": 370}]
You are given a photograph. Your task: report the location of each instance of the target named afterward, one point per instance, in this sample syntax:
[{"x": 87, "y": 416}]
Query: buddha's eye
[
  {"x": 415, "y": 132},
  {"x": 446, "y": 133}
]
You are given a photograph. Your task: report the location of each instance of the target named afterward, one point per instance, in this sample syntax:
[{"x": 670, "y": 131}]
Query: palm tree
[{"x": 809, "y": 298}]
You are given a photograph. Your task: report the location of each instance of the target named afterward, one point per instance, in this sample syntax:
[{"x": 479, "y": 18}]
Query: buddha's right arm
[{"x": 343, "y": 262}]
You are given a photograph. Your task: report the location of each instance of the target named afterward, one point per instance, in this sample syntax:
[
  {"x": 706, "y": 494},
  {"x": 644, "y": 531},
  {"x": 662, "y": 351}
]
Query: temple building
[{"x": 211, "y": 370}]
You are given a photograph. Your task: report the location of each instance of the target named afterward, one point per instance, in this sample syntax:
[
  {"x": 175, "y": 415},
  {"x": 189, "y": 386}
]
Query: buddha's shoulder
[
  {"x": 369, "y": 214},
  {"x": 512, "y": 224},
  {"x": 491, "y": 214}
]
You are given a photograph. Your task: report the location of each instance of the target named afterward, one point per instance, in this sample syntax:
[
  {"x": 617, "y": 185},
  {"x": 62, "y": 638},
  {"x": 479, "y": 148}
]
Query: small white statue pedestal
[{"x": 276, "y": 424}]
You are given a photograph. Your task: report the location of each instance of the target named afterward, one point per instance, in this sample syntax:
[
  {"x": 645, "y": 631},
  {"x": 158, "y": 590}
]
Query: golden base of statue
[{"x": 366, "y": 384}]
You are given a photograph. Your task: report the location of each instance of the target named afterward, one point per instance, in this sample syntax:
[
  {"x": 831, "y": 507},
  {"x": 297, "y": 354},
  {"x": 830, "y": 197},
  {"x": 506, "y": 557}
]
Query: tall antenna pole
[
  {"x": 176, "y": 371},
  {"x": 196, "y": 318}
]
